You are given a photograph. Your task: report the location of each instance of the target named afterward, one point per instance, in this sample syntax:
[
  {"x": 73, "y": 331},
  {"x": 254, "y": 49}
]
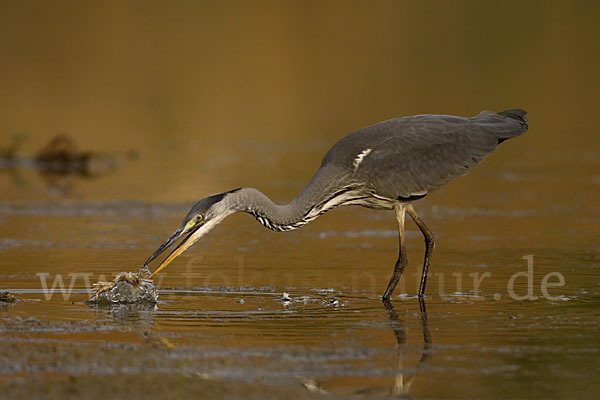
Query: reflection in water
[
  {"x": 403, "y": 382},
  {"x": 128, "y": 316},
  {"x": 142, "y": 317},
  {"x": 60, "y": 163}
]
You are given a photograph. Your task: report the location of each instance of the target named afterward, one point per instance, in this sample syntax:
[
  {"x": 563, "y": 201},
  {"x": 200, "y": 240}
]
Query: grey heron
[{"x": 385, "y": 166}]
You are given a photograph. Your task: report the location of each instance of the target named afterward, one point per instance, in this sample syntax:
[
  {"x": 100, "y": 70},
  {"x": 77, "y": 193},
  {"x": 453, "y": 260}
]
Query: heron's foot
[{"x": 387, "y": 303}]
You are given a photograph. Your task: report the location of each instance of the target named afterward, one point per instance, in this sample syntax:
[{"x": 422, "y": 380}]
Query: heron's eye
[{"x": 199, "y": 218}]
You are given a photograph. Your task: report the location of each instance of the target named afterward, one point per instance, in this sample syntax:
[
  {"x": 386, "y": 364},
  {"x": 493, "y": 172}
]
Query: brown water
[{"x": 214, "y": 97}]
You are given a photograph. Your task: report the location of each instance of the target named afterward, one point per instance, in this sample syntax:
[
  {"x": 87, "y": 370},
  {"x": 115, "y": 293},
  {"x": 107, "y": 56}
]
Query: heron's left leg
[
  {"x": 402, "y": 260},
  {"x": 429, "y": 245}
]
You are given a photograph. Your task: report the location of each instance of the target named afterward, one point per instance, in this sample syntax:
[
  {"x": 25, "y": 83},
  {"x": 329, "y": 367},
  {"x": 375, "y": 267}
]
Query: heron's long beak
[{"x": 183, "y": 246}]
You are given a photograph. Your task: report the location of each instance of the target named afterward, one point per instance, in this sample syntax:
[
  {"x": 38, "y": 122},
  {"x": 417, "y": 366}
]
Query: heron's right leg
[
  {"x": 402, "y": 260},
  {"x": 429, "y": 245}
]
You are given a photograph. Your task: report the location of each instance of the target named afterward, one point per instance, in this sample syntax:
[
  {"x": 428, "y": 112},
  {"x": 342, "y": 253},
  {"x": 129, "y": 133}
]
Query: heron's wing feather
[
  {"x": 414, "y": 155},
  {"x": 426, "y": 166}
]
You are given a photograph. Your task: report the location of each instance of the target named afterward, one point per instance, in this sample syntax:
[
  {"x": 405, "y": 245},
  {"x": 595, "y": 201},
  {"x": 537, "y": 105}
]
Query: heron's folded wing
[{"x": 425, "y": 156}]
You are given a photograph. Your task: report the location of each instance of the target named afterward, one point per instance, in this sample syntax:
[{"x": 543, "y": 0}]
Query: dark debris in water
[
  {"x": 7, "y": 298},
  {"x": 286, "y": 300}
]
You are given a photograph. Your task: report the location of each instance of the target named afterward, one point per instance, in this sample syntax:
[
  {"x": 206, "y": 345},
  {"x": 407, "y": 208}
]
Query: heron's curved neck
[
  {"x": 316, "y": 198},
  {"x": 274, "y": 216}
]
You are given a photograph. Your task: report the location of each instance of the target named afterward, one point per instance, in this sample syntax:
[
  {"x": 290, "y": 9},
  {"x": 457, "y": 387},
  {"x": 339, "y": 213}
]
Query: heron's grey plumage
[
  {"x": 385, "y": 166},
  {"x": 414, "y": 155}
]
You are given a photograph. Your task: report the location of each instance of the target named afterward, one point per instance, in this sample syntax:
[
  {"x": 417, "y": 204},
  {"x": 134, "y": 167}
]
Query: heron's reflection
[{"x": 402, "y": 381}]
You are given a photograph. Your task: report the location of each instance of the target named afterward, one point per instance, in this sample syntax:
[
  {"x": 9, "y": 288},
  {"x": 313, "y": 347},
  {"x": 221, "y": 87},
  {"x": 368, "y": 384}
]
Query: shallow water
[
  {"x": 512, "y": 306},
  {"x": 221, "y": 311}
]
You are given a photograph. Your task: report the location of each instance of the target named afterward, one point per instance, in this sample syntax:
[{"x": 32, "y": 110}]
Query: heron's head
[{"x": 202, "y": 217}]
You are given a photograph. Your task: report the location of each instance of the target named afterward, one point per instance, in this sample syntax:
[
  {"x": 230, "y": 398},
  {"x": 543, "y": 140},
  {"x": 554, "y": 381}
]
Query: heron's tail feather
[
  {"x": 511, "y": 123},
  {"x": 517, "y": 114}
]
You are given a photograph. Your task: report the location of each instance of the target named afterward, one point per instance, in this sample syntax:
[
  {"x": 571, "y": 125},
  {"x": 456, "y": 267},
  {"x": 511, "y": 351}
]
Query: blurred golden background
[{"x": 214, "y": 95}]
